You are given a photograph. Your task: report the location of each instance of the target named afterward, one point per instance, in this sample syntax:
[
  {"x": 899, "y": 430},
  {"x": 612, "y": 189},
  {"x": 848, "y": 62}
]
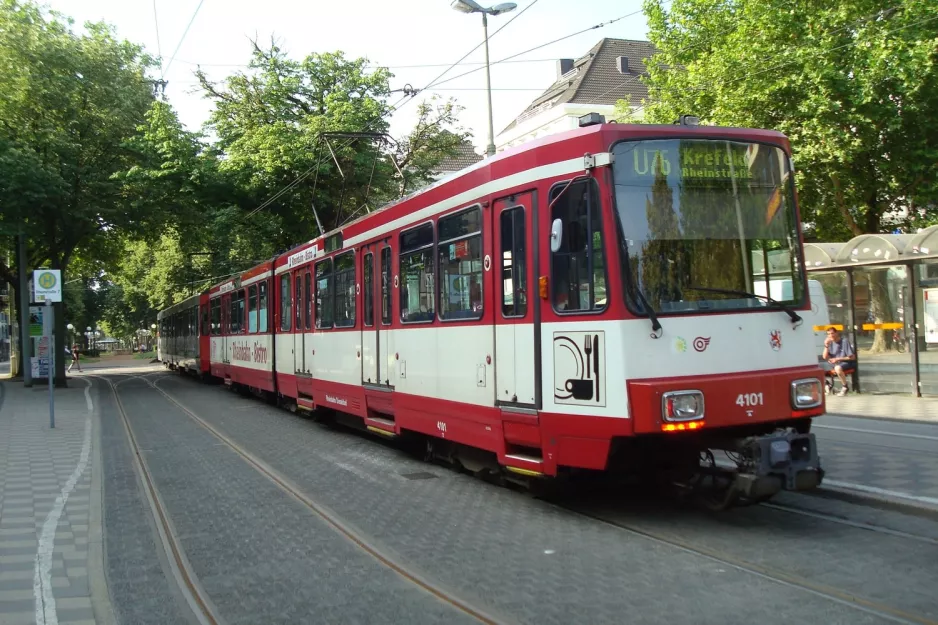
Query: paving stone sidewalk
[
  {"x": 901, "y": 407},
  {"x": 46, "y": 516}
]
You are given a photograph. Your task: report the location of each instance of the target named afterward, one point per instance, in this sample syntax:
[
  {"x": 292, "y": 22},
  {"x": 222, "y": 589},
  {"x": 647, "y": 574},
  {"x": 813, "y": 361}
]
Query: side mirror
[{"x": 556, "y": 235}]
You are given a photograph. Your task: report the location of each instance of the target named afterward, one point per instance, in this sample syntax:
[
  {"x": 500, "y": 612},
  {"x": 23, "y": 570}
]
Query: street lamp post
[{"x": 470, "y": 6}]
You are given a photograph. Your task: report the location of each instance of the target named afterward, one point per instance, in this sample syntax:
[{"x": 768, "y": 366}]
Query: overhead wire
[
  {"x": 159, "y": 49},
  {"x": 394, "y": 108},
  {"x": 184, "y": 33},
  {"x": 544, "y": 45},
  {"x": 417, "y": 66},
  {"x": 480, "y": 44}
]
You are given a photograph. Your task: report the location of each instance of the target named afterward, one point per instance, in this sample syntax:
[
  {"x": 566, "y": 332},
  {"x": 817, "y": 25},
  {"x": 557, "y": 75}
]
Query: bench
[{"x": 853, "y": 372}]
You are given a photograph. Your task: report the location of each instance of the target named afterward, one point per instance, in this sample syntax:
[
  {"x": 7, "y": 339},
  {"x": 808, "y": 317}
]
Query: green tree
[
  {"x": 69, "y": 104},
  {"x": 270, "y": 121}
]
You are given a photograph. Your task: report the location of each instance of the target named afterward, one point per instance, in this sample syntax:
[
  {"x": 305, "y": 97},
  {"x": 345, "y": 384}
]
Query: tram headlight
[
  {"x": 806, "y": 393},
  {"x": 677, "y": 406}
]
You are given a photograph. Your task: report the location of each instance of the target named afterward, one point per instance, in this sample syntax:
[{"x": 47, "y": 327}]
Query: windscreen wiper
[
  {"x": 795, "y": 317},
  {"x": 655, "y": 325}
]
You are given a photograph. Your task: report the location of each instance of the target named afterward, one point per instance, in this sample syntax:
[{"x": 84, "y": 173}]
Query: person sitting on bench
[{"x": 839, "y": 357}]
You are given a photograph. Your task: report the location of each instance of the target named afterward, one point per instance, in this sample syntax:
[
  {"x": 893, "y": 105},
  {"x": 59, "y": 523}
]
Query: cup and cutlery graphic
[{"x": 579, "y": 364}]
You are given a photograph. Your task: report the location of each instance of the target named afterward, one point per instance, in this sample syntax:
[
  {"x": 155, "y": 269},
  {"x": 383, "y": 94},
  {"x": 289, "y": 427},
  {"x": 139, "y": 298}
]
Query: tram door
[
  {"x": 517, "y": 318},
  {"x": 300, "y": 297},
  {"x": 225, "y": 327},
  {"x": 369, "y": 289},
  {"x": 383, "y": 283}
]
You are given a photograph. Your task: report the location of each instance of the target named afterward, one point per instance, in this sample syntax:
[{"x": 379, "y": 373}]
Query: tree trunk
[
  {"x": 17, "y": 338},
  {"x": 882, "y": 309},
  {"x": 61, "y": 334}
]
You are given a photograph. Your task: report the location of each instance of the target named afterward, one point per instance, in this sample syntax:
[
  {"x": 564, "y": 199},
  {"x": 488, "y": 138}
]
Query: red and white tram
[{"x": 584, "y": 301}]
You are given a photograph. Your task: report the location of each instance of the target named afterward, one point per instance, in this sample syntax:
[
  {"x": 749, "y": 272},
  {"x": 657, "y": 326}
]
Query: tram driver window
[
  {"x": 460, "y": 257},
  {"x": 578, "y": 275},
  {"x": 417, "y": 283}
]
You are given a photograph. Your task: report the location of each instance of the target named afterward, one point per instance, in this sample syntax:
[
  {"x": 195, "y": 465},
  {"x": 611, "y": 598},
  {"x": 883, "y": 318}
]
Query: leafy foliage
[{"x": 108, "y": 185}]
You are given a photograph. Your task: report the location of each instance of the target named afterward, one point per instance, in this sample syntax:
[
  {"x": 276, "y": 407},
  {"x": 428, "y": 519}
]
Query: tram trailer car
[
  {"x": 586, "y": 301},
  {"x": 180, "y": 342}
]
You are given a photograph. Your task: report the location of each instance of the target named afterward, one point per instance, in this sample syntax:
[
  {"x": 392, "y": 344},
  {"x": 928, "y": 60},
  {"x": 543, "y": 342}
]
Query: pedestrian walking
[{"x": 74, "y": 354}]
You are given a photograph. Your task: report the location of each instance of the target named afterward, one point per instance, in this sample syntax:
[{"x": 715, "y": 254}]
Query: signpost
[{"x": 48, "y": 288}]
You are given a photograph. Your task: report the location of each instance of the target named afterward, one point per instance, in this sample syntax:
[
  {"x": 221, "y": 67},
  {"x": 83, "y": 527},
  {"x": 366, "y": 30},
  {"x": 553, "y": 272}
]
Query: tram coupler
[{"x": 770, "y": 463}]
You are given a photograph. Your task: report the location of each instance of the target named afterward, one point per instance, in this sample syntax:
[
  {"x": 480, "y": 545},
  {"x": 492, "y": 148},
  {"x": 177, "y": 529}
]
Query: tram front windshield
[{"x": 701, "y": 219}]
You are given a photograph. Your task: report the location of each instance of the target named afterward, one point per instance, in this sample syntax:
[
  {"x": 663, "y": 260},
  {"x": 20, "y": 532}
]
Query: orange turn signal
[
  {"x": 680, "y": 427},
  {"x": 542, "y": 287}
]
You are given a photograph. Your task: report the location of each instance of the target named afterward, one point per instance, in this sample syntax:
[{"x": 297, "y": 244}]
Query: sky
[{"x": 399, "y": 35}]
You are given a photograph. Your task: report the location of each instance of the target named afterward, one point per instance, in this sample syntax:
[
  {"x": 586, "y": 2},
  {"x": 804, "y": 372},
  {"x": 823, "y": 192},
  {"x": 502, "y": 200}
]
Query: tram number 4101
[{"x": 749, "y": 399}]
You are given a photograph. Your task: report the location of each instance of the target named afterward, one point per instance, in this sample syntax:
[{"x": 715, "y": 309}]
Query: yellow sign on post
[{"x": 47, "y": 285}]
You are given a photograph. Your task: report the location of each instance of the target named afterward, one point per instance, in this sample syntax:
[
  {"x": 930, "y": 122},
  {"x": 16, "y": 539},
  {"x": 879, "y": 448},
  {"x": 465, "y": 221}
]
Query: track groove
[
  {"x": 333, "y": 520},
  {"x": 822, "y": 590},
  {"x": 195, "y": 596}
]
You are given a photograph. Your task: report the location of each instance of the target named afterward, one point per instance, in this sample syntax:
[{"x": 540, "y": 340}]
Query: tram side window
[
  {"x": 241, "y": 315},
  {"x": 216, "y": 315},
  {"x": 286, "y": 309},
  {"x": 386, "y": 286},
  {"x": 252, "y": 308},
  {"x": 324, "y": 296},
  {"x": 345, "y": 290},
  {"x": 578, "y": 277},
  {"x": 514, "y": 263},
  {"x": 368, "y": 286},
  {"x": 206, "y": 330},
  {"x": 262, "y": 307},
  {"x": 417, "y": 280},
  {"x": 237, "y": 313},
  {"x": 460, "y": 258}
]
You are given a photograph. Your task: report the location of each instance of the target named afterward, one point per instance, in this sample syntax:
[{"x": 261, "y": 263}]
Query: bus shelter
[{"x": 882, "y": 290}]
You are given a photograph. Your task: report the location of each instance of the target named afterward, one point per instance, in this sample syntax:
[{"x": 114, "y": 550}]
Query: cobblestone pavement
[
  {"x": 260, "y": 555},
  {"x": 899, "y": 457},
  {"x": 45, "y": 515},
  {"x": 542, "y": 564}
]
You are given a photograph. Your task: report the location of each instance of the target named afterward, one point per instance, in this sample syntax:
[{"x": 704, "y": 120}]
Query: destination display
[{"x": 702, "y": 160}]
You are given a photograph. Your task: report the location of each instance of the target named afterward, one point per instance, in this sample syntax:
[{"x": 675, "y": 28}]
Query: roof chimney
[
  {"x": 622, "y": 64},
  {"x": 564, "y": 66}
]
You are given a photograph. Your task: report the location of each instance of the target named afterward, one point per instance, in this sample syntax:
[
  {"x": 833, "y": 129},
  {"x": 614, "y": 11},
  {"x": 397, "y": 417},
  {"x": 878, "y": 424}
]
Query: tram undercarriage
[{"x": 732, "y": 469}]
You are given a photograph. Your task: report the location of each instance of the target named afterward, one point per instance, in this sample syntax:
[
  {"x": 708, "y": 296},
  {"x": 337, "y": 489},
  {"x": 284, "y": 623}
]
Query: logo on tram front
[{"x": 775, "y": 340}]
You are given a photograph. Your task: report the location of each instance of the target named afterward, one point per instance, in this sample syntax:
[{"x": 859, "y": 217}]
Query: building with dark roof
[
  {"x": 464, "y": 157},
  {"x": 593, "y": 83}
]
